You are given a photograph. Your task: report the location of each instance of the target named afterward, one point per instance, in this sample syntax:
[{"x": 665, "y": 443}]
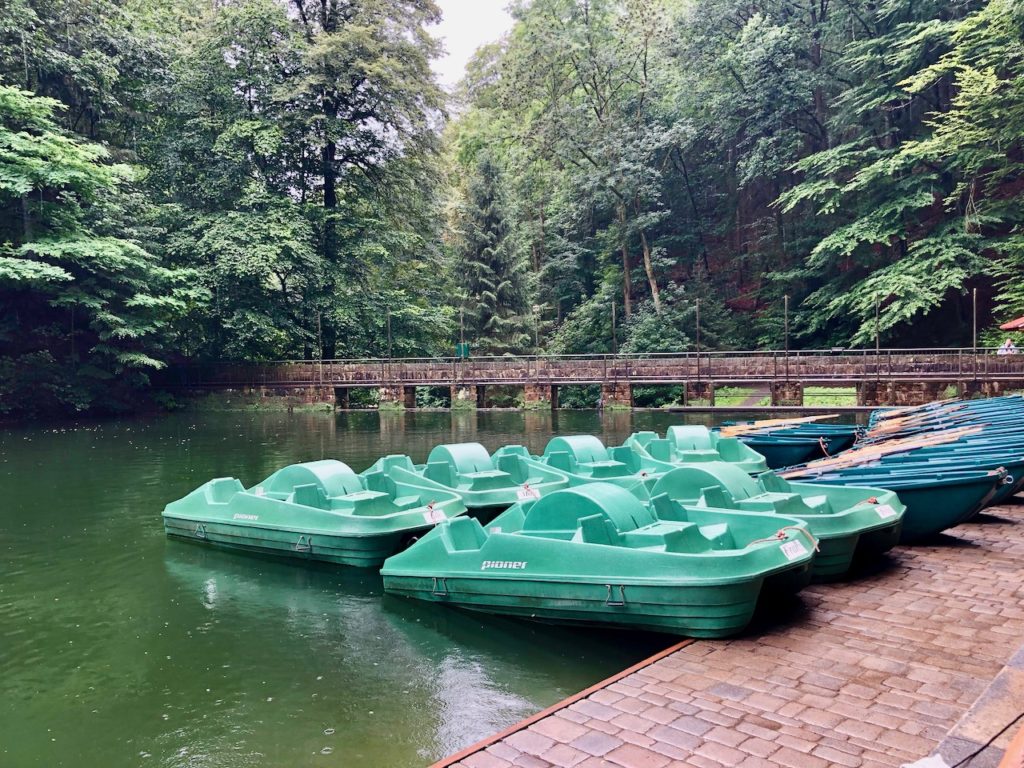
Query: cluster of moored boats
[{"x": 682, "y": 533}]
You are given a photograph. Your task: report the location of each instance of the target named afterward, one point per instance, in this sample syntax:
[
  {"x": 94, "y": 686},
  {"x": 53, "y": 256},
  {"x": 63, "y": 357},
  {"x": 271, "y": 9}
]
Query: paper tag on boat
[
  {"x": 258, "y": 490},
  {"x": 525, "y": 493},
  {"x": 494, "y": 529},
  {"x": 793, "y": 549},
  {"x": 885, "y": 511},
  {"x": 433, "y": 515}
]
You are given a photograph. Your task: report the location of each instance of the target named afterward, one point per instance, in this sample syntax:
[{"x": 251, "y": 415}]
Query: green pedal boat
[
  {"x": 320, "y": 510},
  {"x": 487, "y": 484},
  {"x": 846, "y": 521},
  {"x": 597, "y": 555},
  {"x": 696, "y": 444}
]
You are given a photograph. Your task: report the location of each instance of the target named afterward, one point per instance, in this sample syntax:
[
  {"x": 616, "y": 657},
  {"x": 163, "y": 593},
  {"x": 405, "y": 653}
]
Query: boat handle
[
  {"x": 304, "y": 544},
  {"x": 622, "y": 596},
  {"x": 200, "y": 531},
  {"x": 443, "y": 592}
]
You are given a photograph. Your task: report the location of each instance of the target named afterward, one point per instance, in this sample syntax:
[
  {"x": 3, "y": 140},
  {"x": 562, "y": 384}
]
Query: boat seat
[
  {"x": 770, "y": 481},
  {"x": 696, "y": 455},
  {"x": 718, "y": 536},
  {"x": 310, "y": 495},
  {"x": 717, "y": 496},
  {"x": 461, "y": 534},
  {"x": 365, "y": 502},
  {"x": 819, "y": 503},
  {"x": 562, "y": 460},
  {"x": 606, "y": 468},
  {"x": 407, "y": 502},
  {"x": 659, "y": 448},
  {"x": 486, "y": 480},
  {"x": 222, "y": 489},
  {"x": 440, "y": 472},
  {"x": 596, "y": 529}
]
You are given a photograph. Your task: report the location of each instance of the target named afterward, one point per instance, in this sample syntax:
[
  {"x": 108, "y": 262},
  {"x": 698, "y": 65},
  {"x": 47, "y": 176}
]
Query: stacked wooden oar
[
  {"x": 762, "y": 425},
  {"x": 871, "y": 452}
]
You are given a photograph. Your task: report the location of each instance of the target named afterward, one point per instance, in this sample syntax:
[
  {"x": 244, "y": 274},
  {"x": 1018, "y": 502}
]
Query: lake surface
[{"x": 119, "y": 647}]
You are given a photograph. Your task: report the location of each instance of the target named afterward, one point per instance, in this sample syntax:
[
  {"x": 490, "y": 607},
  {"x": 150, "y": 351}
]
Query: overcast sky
[{"x": 465, "y": 26}]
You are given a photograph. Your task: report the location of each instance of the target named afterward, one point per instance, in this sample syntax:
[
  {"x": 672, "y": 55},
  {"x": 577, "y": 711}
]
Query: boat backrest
[
  {"x": 220, "y": 490},
  {"x": 462, "y": 533},
  {"x": 660, "y": 449},
  {"x": 310, "y": 496},
  {"x": 333, "y": 478},
  {"x": 387, "y": 463},
  {"x": 690, "y": 437},
  {"x": 440, "y": 472},
  {"x": 597, "y": 529},
  {"x": 717, "y": 496},
  {"x": 772, "y": 483},
  {"x": 642, "y": 438},
  {"x": 583, "y": 448},
  {"x": 561, "y": 460},
  {"x": 563, "y": 510},
  {"x": 464, "y": 458}
]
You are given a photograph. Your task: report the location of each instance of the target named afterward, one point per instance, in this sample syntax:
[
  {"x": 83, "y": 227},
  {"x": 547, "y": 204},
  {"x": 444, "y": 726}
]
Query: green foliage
[
  {"x": 84, "y": 310},
  {"x": 257, "y": 179}
]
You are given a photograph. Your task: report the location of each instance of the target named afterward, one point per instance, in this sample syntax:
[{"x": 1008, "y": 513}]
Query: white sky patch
[{"x": 465, "y": 26}]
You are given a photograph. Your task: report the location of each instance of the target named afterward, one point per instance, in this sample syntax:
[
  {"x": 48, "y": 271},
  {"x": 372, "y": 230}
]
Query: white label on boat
[
  {"x": 515, "y": 565},
  {"x": 245, "y": 517},
  {"x": 494, "y": 529},
  {"x": 433, "y": 515},
  {"x": 525, "y": 493},
  {"x": 258, "y": 490},
  {"x": 793, "y": 549},
  {"x": 885, "y": 511}
]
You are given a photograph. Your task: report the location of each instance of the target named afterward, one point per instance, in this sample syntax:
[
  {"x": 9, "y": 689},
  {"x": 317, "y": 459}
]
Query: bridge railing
[{"x": 822, "y": 365}]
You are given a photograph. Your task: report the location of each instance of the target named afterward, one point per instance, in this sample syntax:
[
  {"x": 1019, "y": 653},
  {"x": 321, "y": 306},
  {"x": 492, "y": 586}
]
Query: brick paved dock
[{"x": 878, "y": 671}]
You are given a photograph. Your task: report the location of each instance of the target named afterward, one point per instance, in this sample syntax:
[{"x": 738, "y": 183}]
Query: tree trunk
[
  {"x": 627, "y": 292},
  {"x": 649, "y": 269}
]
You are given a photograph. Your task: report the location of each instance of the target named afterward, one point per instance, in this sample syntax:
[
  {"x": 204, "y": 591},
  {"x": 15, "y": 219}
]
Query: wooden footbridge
[{"x": 881, "y": 377}]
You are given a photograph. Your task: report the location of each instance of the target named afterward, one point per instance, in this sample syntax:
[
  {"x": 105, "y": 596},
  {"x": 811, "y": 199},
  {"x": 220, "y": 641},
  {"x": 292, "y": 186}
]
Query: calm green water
[{"x": 119, "y": 647}]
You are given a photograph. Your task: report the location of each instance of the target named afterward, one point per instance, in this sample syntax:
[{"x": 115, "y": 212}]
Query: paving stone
[
  {"x": 875, "y": 672},
  {"x": 596, "y": 743},
  {"x": 632, "y": 756}
]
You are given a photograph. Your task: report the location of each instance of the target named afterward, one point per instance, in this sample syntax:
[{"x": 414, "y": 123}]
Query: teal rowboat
[
  {"x": 487, "y": 484},
  {"x": 320, "y": 510},
  {"x": 934, "y": 501},
  {"x": 596, "y": 555},
  {"x": 846, "y": 521},
  {"x": 693, "y": 444}
]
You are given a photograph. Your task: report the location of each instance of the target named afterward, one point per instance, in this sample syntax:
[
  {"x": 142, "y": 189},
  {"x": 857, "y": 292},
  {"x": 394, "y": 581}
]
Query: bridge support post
[
  {"x": 392, "y": 397},
  {"x": 409, "y": 397},
  {"x": 787, "y": 393},
  {"x": 538, "y": 396},
  {"x": 617, "y": 394},
  {"x": 481, "y": 396},
  {"x": 977, "y": 388},
  {"x": 341, "y": 398},
  {"x": 701, "y": 391}
]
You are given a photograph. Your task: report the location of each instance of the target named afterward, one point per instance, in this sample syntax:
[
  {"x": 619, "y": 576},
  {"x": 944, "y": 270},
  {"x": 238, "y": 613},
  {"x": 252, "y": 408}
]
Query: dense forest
[{"x": 187, "y": 180}]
